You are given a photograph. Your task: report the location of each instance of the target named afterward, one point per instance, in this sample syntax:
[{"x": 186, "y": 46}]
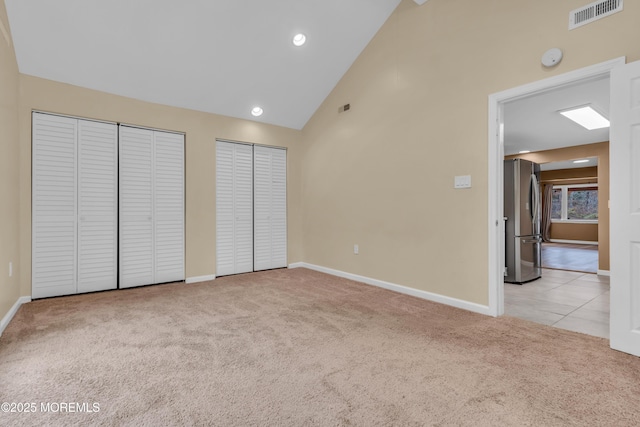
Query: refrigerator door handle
[
  {"x": 536, "y": 240},
  {"x": 535, "y": 205}
]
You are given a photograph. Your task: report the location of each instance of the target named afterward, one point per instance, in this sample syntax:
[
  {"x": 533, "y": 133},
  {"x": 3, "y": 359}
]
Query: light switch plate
[{"x": 462, "y": 181}]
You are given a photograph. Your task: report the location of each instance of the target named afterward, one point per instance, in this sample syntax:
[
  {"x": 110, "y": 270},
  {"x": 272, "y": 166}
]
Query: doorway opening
[{"x": 498, "y": 148}]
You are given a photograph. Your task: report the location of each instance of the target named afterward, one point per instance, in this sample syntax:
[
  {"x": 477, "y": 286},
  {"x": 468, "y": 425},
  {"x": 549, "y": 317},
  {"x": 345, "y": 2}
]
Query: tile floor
[
  {"x": 570, "y": 257},
  {"x": 564, "y": 299}
]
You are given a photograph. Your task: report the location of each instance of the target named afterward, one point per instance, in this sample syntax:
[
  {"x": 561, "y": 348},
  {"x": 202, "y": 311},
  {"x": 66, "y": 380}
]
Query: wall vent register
[{"x": 593, "y": 11}]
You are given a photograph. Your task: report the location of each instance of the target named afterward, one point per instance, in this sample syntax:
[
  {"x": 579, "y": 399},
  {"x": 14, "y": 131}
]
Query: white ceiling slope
[{"x": 217, "y": 56}]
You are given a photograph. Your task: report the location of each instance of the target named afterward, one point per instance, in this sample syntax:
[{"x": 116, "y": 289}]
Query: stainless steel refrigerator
[{"x": 522, "y": 210}]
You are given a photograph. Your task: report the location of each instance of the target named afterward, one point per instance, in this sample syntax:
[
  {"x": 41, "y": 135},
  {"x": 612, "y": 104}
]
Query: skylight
[{"x": 586, "y": 117}]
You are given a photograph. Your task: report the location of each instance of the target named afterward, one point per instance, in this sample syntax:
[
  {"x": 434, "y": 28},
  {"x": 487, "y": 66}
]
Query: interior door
[
  {"x": 625, "y": 208},
  {"x": 270, "y": 207},
  {"x": 97, "y": 206},
  {"x": 54, "y": 206},
  {"x": 136, "y": 207},
  {"x": 234, "y": 208},
  {"x": 169, "y": 206}
]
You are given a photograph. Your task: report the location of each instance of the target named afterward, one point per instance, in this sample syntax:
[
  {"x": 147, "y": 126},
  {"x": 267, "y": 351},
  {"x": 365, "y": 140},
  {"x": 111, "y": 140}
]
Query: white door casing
[
  {"x": 496, "y": 157},
  {"x": 624, "y": 152}
]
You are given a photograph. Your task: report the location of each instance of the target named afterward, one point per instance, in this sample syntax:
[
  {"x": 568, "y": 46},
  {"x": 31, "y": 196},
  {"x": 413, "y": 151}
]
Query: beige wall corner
[
  {"x": 9, "y": 173},
  {"x": 201, "y": 131},
  {"x": 381, "y": 174}
]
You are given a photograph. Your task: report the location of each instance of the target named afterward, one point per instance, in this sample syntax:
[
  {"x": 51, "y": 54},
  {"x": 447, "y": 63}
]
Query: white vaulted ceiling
[{"x": 217, "y": 56}]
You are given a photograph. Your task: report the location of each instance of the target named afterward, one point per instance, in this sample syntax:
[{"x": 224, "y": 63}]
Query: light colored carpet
[{"x": 297, "y": 347}]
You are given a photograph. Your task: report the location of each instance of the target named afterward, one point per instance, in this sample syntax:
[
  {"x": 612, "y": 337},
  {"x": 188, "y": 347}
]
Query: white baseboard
[
  {"x": 454, "y": 302},
  {"x": 12, "y": 312},
  {"x": 199, "y": 279},
  {"x": 604, "y": 273},
  {"x": 574, "y": 242}
]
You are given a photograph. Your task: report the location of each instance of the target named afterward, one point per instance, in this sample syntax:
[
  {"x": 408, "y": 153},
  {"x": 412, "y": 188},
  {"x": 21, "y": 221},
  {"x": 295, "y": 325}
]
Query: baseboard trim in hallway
[
  {"x": 12, "y": 312},
  {"x": 442, "y": 299}
]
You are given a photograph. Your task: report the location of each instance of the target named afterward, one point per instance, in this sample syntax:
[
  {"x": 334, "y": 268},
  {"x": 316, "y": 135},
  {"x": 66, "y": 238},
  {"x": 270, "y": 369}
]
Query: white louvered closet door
[
  {"x": 74, "y": 206},
  {"x": 151, "y": 207},
  {"x": 169, "y": 207},
  {"x": 97, "y": 206},
  {"x": 136, "y": 207},
  {"x": 234, "y": 208},
  {"x": 270, "y": 208},
  {"x": 54, "y": 206}
]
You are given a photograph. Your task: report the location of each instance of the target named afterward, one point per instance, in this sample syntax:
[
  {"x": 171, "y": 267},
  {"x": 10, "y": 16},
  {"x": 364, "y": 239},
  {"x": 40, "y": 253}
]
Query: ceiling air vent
[{"x": 593, "y": 12}]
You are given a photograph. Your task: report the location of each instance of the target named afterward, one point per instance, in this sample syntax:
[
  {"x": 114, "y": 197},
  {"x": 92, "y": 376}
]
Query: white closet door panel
[
  {"x": 278, "y": 208},
  {"x": 225, "y": 219},
  {"x": 54, "y": 258},
  {"x": 169, "y": 207},
  {"x": 262, "y": 208},
  {"x": 54, "y": 205},
  {"x": 270, "y": 207},
  {"x": 234, "y": 208},
  {"x": 243, "y": 207},
  {"x": 136, "y": 207},
  {"x": 97, "y": 206}
]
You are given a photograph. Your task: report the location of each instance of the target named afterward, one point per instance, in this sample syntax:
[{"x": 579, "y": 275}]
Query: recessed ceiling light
[
  {"x": 586, "y": 117},
  {"x": 299, "y": 39},
  {"x": 256, "y": 111},
  {"x": 524, "y": 151},
  {"x": 581, "y": 161}
]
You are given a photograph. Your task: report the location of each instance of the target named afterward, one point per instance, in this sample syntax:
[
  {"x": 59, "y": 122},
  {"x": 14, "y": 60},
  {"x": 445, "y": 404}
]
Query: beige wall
[
  {"x": 9, "y": 177},
  {"x": 201, "y": 131},
  {"x": 381, "y": 175},
  {"x": 572, "y": 231},
  {"x": 601, "y": 151}
]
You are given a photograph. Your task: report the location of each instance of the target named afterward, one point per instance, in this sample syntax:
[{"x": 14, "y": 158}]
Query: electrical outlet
[
  {"x": 10, "y": 268},
  {"x": 356, "y": 249}
]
